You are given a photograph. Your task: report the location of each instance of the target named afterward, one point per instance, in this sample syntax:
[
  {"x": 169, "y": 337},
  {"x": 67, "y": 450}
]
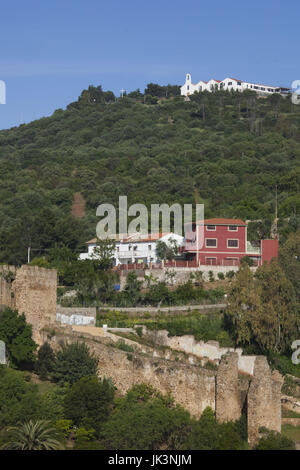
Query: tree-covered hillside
[{"x": 228, "y": 149}]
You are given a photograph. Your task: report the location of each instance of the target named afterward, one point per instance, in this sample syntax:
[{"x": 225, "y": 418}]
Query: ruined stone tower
[
  {"x": 228, "y": 401},
  {"x": 32, "y": 292},
  {"x": 264, "y": 404}
]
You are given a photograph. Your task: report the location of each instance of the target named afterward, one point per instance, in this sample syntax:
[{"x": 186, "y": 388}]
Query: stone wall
[
  {"x": 191, "y": 386},
  {"x": 174, "y": 310},
  {"x": 229, "y": 402},
  {"x": 182, "y": 275},
  {"x": 76, "y": 316},
  {"x": 32, "y": 291},
  {"x": 210, "y": 349},
  {"x": 264, "y": 400},
  {"x": 292, "y": 421},
  {"x": 35, "y": 295}
]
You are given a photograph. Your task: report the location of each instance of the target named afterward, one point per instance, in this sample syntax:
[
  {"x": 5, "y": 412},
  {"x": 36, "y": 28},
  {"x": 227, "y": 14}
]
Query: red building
[{"x": 223, "y": 242}]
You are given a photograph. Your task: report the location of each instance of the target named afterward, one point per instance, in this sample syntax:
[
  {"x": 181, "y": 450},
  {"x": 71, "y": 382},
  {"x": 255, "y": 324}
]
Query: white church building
[
  {"x": 135, "y": 248},
  {"x": 227, "y": 84}
]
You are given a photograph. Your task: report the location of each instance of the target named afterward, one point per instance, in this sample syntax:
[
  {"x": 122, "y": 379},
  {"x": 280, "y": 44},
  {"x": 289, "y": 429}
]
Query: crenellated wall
[
  {"x": 191, "y": 385},
  {"x": 32, "y": 290}
]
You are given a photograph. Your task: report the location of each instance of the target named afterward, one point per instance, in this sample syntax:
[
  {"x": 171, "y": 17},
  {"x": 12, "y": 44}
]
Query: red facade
[
  {"x": 269, "y": 250},
  {"x": 223, "y": 242}
]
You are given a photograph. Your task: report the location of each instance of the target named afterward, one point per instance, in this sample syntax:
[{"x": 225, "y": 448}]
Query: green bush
[
  {"x": 274, "y": 441},
  {"x": 284, "y": 364},
  {"x": 73, "y": 362},
  {"x": 88, "y": 403},
  {"x": 120, "y": 344}
]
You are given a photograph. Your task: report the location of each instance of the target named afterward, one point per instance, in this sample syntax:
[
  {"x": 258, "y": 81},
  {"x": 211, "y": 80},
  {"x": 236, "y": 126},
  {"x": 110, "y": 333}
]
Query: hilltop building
[
  {"x": 135, "y": 248},
  {"x": 228, "y": 84},
  {"x": 225, "y": 243}
]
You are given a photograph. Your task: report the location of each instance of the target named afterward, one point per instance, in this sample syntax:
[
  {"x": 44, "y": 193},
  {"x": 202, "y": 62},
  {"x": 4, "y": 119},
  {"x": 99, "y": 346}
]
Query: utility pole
[
  {"x": 276, "y": 211},
  {"x": 28, "y": 255}
]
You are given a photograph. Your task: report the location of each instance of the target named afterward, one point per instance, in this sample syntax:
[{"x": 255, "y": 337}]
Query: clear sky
[{"x": 52, "y": 49}]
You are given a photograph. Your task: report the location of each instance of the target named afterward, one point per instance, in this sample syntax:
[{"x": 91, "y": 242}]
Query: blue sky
[{"x": 51, "y": 50}]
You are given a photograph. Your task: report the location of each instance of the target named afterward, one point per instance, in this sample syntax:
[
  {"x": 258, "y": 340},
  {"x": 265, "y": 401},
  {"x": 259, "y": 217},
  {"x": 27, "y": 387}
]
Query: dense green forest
[{"x": 229, "y": 150}]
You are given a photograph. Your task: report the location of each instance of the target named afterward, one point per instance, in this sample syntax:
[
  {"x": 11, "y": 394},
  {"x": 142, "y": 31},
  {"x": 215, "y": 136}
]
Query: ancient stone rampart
[
  {"x": 210, "y": 349},
  {"x": 229, "y": 403},
  {"x": 32, "y": 292},
  {"x": 264, "y": 400},
  {"x": 190, "y": 386},
  {"x": 35, "y": 295}
]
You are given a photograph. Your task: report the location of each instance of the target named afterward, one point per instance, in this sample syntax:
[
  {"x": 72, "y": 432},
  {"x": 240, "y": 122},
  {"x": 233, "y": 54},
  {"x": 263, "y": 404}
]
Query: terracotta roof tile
[{"x": 222, "y": 221}]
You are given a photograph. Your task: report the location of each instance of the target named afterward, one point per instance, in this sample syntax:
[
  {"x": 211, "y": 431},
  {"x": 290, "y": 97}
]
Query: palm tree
[{"x": 33, "y": 435}]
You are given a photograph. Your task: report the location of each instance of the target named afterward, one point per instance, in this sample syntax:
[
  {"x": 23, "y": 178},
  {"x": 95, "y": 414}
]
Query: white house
[
  {"x": 228, "y": 84},
  {"x": 136, "y": 248}
]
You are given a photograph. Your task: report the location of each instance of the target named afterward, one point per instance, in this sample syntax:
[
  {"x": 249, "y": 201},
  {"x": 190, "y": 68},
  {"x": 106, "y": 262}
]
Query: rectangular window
[
  {"x": 211, "y": 227},
  {"x": 149, "y": 247},
  {"x": 232, "y": 228},
  {"x": 211, "y": 261},
  {"x": 229, "y": 83},
  {"x": 210, "y": 242},
  {"x": 239, "y": 83},
  {"x": 232, "y": 243}
]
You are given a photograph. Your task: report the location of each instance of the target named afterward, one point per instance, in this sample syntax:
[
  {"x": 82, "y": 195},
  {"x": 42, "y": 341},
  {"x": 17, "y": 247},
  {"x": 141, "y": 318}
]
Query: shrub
[
  {"x": 124, "y": 346},
  {"x": 45, "y": 361},
  {"x": 230, "y": 274},
  {"x": 73, "y": 362},
  {"x": 274, "y": 441},
  {"x": 139, "y": 331},
  {"x": 248, "y": 260},
  {"x": 17, "y": 335},
  {"x": 88, "y": 402}
]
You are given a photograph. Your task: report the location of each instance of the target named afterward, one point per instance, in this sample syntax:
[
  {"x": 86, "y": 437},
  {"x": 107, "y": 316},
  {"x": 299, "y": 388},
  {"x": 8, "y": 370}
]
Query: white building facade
[
  {"x": 228, "y": 84},
  {"x": 135, "y": 248}
]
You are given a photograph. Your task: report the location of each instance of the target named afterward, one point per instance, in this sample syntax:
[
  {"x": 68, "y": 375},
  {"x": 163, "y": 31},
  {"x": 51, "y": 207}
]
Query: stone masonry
[
  {"x": 190, "y": 385},
  {"x": 33, "y": 292},
  {"x": 228, "y": 398},
  {"x": 264, "y": 400}
]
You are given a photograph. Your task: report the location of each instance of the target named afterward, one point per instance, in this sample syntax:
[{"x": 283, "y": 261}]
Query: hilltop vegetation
[{"x": 231, "y": 148}]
